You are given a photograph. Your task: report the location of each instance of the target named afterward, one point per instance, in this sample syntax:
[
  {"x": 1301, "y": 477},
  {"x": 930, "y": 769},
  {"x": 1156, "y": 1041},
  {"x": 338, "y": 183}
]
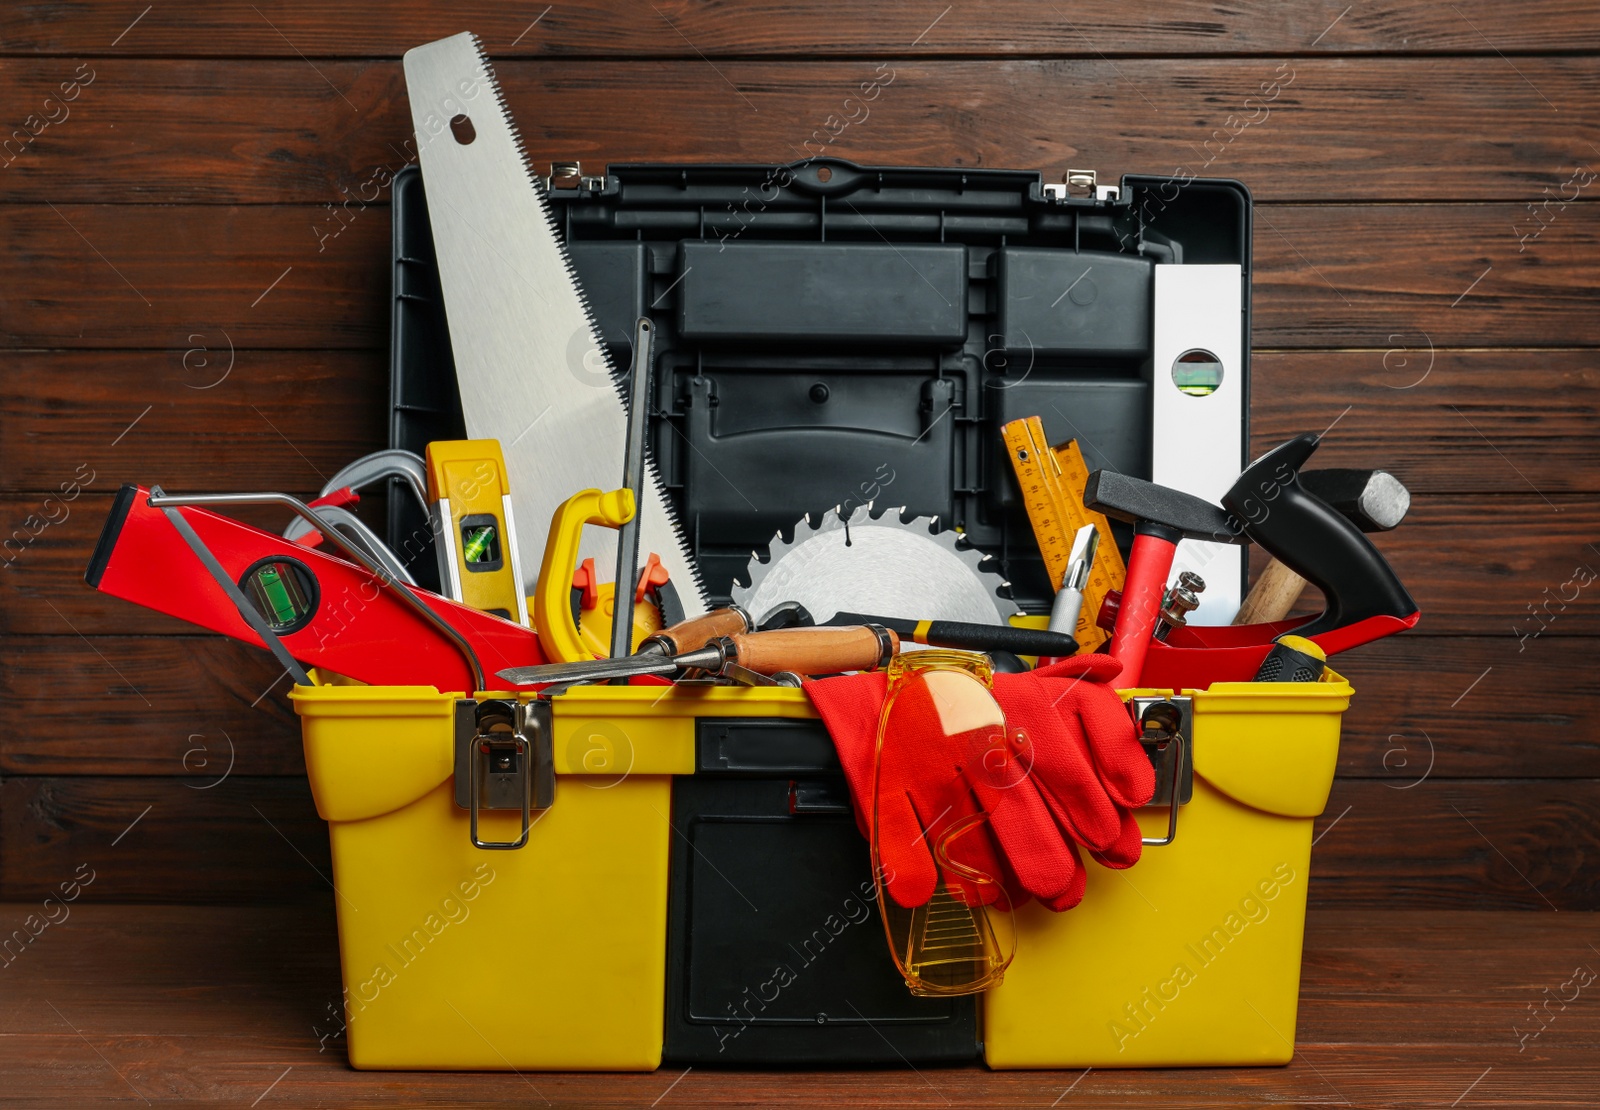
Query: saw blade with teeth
[
  {"x": 878, "y": 564},
  {"x": 532, "y": 370}
]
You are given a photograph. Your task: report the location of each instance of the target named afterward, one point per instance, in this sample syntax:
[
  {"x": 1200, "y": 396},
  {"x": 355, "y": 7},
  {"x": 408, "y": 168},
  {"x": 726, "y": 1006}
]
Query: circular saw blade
[{"x": 875, "y": 564}]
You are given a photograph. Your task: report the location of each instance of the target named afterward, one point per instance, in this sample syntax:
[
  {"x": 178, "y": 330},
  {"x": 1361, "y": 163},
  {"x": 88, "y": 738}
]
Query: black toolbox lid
[{"x": 829, "y": 334}]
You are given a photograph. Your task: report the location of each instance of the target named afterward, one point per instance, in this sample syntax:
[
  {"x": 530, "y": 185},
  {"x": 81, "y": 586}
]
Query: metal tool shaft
[{"x": 632, "y": 479}]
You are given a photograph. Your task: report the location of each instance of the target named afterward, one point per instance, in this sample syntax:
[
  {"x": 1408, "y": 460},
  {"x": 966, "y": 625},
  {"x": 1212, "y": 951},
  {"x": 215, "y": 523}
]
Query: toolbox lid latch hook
[
  {"x": 1166, "y": 730},
  {"x": 505, "y": 760}
]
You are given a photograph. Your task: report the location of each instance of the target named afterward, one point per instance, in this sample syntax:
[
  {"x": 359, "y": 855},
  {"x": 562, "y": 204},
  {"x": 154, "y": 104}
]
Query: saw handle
[
  {"x": 811, "y": 651},
  {"x": 699, "y": 631}
]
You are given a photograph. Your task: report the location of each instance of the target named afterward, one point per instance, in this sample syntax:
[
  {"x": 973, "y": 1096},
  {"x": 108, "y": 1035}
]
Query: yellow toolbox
[
  {"x": 553, "y": 956},
  {"x": 548, "y": 957},
  {"x": 1193, "y": 955}
]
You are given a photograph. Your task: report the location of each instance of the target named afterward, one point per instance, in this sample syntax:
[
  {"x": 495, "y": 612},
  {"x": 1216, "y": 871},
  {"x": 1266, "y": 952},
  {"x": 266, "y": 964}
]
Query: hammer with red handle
[{"x": 1160, "y": 517}]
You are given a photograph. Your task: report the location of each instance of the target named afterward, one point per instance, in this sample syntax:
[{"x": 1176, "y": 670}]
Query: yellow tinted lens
[{"x": 939, "y": 710}]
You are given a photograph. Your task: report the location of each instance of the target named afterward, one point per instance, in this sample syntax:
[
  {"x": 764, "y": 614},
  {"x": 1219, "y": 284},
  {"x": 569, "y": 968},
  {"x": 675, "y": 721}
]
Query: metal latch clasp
[
  {"x": 1079, "y": 183},
  {"x": 1166, "y": 730},
  {"x": 505, "y": 760},
  {"x": 570, "y": 175},
  {"x": 1082, "y": 184}
]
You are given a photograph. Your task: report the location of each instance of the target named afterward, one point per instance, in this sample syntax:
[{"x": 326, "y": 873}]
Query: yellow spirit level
[{"x": 475, "y": 537}]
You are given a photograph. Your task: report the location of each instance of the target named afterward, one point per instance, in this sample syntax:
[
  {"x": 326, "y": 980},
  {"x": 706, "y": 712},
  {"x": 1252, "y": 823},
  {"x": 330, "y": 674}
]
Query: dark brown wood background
[{"x": 166, "y": 228}]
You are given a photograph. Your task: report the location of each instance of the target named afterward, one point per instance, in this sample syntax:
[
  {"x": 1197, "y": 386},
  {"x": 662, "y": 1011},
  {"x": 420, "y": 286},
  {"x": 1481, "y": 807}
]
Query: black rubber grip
[
  {"x": 973, "y": 637},
  {"x": 109, "y": 533},
  {"x": 1315, "y": 541},
  {"x": 1000, "y": 637}
]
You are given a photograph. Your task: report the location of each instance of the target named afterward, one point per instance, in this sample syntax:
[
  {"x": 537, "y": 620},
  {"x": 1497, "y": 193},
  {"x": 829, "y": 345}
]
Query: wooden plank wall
[{"x": 175, "y": 307}]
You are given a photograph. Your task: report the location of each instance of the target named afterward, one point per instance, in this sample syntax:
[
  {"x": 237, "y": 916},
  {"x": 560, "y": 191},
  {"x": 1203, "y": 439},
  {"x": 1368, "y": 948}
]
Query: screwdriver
[
  {"x": 804, "y": 651},
  {"x": 1069, "y": 597},
  {"x": 1293, "y": 659},
  {"x": 966, "y": 635}
]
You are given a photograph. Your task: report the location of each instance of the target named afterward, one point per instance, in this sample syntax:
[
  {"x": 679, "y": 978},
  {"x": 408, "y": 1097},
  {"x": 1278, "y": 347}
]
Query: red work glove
[
  {"x": 925, "y": 790},
  {"x": 1074, "y": 779},
  {"x": 1088, "y": 769}
]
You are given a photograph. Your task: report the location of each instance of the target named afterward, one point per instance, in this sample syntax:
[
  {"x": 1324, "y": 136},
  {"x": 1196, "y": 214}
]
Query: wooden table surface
[{"x": 232, "y": 1005}]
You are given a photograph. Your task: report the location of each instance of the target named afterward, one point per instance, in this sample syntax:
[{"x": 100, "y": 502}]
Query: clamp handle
[{"x": 552, "y": 607}]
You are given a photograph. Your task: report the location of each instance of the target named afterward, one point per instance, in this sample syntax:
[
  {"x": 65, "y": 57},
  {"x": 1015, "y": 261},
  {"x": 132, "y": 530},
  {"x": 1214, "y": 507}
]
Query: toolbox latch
[
  {"x": 1166, "y": 731},
  {"x": 1082, "y": 184},
  {"x": 505, "y": 760},
  {"x": 570, "y": 175}
]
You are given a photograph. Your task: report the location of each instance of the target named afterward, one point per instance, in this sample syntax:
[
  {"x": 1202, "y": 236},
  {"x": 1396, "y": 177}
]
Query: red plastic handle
[{"x": 1149, "y": 563}]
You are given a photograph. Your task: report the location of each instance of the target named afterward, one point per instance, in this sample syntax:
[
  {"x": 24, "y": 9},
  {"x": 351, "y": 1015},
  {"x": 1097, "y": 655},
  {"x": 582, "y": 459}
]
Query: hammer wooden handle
[
  {"x": 813, "y": 650},
  {"x": 1272, "y": 597}
]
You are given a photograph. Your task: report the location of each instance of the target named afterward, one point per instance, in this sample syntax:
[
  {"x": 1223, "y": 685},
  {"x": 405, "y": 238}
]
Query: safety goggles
[{"x": 942, "y": 748}]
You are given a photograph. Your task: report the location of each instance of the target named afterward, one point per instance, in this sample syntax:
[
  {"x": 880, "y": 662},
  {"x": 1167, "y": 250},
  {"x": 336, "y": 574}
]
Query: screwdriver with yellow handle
[{"x": 803, "y": 651}]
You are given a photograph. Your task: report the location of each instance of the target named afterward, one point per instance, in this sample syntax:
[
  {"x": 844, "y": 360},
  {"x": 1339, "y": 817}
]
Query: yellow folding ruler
[{"x": 1052, "y": 484}]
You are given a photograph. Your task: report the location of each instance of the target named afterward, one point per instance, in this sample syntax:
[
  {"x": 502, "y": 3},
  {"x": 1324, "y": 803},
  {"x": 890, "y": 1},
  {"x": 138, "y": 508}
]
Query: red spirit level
[{"x": 326, "y": 612}]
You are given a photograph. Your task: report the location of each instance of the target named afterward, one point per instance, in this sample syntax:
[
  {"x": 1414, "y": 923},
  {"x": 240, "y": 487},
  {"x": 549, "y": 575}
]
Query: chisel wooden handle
[
  {"x": 699, "y": 631},
  {"x": 813, "y": 650},
  {"x": 1272, "y": 597}
]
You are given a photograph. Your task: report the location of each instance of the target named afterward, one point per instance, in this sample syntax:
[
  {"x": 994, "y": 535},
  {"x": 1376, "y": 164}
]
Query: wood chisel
[
  {"x": 532, "y": 369},
  {"x": 474, "y": 528},
  {"x": 805, "y": 651},
  {"x": 1052, "y": 484},
  {"x": 696, "y": 632}
]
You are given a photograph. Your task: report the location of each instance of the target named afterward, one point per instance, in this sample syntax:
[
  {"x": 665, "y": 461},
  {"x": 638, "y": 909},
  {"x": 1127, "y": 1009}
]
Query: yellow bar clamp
[{"x": 552, "y": 606}]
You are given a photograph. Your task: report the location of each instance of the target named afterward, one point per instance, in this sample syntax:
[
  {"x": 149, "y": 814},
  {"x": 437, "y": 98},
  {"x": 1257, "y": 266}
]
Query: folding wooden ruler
[{"x": 1052, "y": 484}]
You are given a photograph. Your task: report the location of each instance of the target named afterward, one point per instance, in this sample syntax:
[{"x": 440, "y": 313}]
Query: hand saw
[
  {"x": 532, "y": 369},
  {"x": 1052, "y": 491}
]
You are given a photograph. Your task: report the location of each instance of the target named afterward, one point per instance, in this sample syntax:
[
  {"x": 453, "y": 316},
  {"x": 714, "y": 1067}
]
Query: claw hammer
[{"x": 1373, "y": 500}]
